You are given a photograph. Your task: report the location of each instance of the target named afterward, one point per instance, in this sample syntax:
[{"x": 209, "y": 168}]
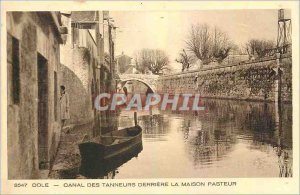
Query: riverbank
[{"x": 67, "y": 160}]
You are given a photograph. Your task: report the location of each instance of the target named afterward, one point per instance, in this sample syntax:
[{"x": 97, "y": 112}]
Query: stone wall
[
  {"x": 80, "y": 72},
  {"x": 249, "y": 81},
  {"x": 36, "y": 35},
  {"x": 77, "y": 78},
  {"x": 85, "y": 73}
]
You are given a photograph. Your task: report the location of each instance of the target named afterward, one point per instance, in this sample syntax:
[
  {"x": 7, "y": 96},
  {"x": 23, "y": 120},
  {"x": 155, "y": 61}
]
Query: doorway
[{"x": 42, "y": 111}]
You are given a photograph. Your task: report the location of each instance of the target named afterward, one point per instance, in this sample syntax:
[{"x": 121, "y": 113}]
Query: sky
[{"x": 168, "y": 30}]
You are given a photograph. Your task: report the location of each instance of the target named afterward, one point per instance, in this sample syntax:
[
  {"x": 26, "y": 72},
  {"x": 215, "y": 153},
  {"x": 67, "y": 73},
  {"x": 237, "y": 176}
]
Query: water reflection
[
  {"x": 227, "y": 139},
  {"x": 206, "y": 138},
  {"x": 155, "y": 127},
  {"x": 108, "y": 168}
]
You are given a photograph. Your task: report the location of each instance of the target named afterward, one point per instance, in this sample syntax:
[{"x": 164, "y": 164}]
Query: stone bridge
[
  {"x": 149, "y": 80},
  {"x": 252, "y": 80}
]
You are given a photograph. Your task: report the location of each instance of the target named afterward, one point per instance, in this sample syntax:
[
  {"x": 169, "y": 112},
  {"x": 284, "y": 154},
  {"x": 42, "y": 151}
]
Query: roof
[
  {"x": 123, "y": 55},
  {"x": 54, "y": 22},
  {"x": 84, "y": 16}
]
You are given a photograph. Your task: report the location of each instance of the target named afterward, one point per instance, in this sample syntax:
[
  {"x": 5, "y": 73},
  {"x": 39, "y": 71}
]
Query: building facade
[
  {"x": 87, "y": 58},
  {"x": 33, "y": 66},
  {"x": 47, "y": 50},
  {"x": 85, "y": 70},
  {"x": 123, "y": 62}
]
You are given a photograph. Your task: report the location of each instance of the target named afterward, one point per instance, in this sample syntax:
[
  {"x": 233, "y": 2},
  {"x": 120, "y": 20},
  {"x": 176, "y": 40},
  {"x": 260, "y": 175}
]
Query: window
[
  {"x": 55, "y": 95},
  {"x": 15, "y": 70},
  {"x": 93, "y": 93}
]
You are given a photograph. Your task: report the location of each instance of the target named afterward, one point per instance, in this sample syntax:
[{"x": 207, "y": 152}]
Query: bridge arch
[
  {"x": 152, "y": 87},
  {"x": 148, "y": 80}
]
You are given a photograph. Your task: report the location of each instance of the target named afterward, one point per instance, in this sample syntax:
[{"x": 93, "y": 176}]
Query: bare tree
[
  {"x": 221, "y": 45},
  {"x": 259, "y": 48},
  {"x": 185, "y": 60},
  {"x": 142, "y": 60},
  {"x": 154, "y": 60},
  {"x": 208, "y": 45},
  {"x": 199, "y": 42}
]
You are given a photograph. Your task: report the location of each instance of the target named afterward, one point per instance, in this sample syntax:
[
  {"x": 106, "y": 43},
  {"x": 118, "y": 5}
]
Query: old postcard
[{"x": 141, "y": 97}]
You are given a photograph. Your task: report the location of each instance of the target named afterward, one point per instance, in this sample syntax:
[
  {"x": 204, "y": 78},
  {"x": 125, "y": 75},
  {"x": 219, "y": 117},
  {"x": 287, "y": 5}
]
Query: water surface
[{"x": 228, "y": 139}]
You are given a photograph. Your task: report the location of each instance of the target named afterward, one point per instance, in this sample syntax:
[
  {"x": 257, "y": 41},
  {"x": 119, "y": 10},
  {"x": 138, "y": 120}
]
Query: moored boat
[{"x": 106, "y": 149}]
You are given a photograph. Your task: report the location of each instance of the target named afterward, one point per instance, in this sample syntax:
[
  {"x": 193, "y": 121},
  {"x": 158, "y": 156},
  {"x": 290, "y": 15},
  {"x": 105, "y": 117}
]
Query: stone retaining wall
[{"x": 249, "y": 81}]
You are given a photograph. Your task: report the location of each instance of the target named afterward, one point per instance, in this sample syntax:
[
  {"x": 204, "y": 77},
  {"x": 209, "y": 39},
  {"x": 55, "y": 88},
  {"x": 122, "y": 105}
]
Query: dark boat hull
[{"x": 97, "y": 159}]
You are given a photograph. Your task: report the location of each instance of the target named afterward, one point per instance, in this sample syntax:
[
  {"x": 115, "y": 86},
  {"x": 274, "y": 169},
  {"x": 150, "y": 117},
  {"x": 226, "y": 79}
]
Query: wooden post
[
  {"x": 278, "y": 80},
  {"x": 135, "y": 118}
]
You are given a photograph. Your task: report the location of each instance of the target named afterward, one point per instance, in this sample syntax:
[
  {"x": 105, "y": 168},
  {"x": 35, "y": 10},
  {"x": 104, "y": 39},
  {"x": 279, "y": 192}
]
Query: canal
[{"x": 227, "y": 139}]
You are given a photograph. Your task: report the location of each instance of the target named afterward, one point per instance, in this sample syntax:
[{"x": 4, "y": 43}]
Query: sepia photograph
[{"x": 108, "y": 94}]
